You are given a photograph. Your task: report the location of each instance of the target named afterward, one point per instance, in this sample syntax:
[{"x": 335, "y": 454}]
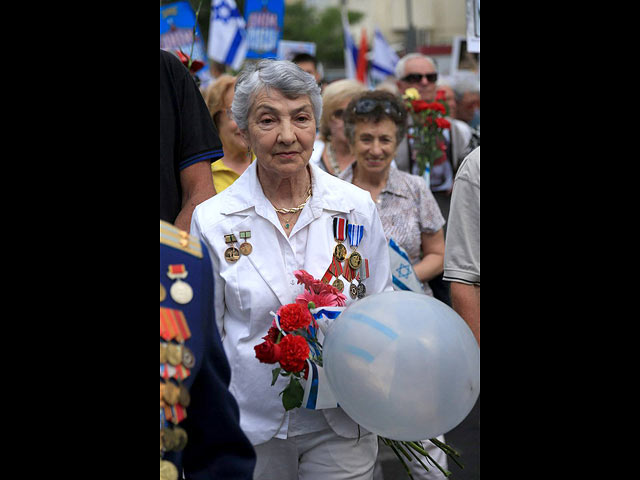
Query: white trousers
[{"x": 319, "y": 455}]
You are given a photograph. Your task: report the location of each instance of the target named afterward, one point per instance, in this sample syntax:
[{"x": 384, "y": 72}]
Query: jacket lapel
[{"x": 266, "y": 257}]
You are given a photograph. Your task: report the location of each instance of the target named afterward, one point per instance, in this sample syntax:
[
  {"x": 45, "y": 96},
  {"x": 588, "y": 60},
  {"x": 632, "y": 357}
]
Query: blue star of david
[
  {"x": 403, "y": 271},
  {"x": 224, "y": 12}
]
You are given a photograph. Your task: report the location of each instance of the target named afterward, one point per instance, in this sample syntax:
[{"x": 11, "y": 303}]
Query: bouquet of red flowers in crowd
[
  {"x": 293, "y": 336},
  {"x": 428, "y": 124}
]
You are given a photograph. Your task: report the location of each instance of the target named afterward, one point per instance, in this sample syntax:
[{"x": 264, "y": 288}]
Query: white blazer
[{"x": 259, "y": 283}]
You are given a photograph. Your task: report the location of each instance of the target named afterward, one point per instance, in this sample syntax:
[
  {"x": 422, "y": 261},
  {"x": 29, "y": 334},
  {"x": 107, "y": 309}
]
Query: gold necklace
[{"x": 295, "y": 209}]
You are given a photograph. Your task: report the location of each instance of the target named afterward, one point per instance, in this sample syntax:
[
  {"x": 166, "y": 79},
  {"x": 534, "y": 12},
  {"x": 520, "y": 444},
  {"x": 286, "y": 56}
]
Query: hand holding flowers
[
  {"x": 292, "y": 338},
  {"x": 428, "y": 123}
]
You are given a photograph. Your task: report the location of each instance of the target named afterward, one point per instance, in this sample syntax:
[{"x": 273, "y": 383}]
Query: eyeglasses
[
  {"x": 368, "y": 105},
  {"x": 417, "y": 77}
]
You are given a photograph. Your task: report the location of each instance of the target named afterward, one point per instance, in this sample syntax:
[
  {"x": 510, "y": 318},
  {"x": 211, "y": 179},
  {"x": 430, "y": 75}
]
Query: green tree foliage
[{"x": 304, "y": 23}]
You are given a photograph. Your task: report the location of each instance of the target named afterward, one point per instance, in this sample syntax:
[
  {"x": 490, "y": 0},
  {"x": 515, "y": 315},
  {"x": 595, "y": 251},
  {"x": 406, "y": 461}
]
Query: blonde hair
[
  {"x": 215, "y": 93},
  {"x": 333, "y": 96}
]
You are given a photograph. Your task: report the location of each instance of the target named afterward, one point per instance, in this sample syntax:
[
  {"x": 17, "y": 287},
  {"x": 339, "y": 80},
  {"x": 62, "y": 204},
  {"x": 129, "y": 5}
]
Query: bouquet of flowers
[
  {"x": 292, "y": 338},
  {"x": 428, "y": 124},
  {"x": 292, "y": 343}
]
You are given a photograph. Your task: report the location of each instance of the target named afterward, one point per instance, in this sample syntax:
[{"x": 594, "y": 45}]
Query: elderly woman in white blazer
[{"x": 288, "y": 207}]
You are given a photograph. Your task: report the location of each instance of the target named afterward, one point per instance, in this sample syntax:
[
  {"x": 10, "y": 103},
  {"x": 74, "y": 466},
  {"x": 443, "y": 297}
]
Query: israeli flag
[
  {"x": 384, "y": 59},
  {"x": 317, "y": 391},
  {"x": 402, "y": 273},
  {"x": 350, "y": 49},
  {"x": 227, "y": 34}
]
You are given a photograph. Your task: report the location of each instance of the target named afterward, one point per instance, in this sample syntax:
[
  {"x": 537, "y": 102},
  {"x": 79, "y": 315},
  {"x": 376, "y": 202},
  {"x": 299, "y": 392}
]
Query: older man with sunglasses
[{"x": 419, "y": 71}]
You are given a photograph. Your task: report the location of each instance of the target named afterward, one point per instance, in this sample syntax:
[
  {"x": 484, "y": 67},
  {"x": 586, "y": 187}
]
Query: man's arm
[
  {"x": 197, "y": 186},
  {"x": 465, "y": 300}
]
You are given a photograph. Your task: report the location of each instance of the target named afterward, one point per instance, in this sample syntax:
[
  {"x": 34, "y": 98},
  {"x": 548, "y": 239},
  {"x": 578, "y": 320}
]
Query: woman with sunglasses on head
[
  {"x": 375, "y": 122},
  {"x": 331, "y": 151},
  {"x": 237, "y": 156}
]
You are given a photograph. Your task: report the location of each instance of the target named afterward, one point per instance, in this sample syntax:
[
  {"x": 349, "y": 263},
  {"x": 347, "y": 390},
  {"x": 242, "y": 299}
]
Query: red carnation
[
  {"x": 268, "y": 352},
  {"x": 443, "y": 123},
  {"x": 294, "y": 352},
  {"x": 294, "y": 316},
  {"x": 419, "y": 105},
  {"x": 436, "y": 106},
  {"x": 272, "y": 335}
]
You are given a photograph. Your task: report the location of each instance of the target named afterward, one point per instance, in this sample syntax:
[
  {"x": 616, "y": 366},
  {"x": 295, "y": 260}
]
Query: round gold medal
[
  {"x": 174, "y": 354},
  {"x": 168, "y": 470},
  {"x": 338, "y": 285},
  {"x": 355, "y": 260},
  {"x": 340, "y": 252},
  {"x": 163, "y": 293},
  {"x": 246, "y": 248},
  {"x": 231, "y": 254},
  {"x": 171, "y": 393},
  {"x": 163, "y": 352},
  {"x": 169, "y": 439},
  {"x": 181, "y": 439},
  {"x": 184, "y": 398}
]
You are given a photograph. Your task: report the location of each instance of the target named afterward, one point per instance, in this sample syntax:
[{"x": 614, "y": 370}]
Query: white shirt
[{"x": 259, "y": 283}]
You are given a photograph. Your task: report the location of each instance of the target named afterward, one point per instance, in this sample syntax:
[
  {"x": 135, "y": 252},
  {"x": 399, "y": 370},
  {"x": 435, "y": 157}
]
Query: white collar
[{"x": 246, "y": 193}]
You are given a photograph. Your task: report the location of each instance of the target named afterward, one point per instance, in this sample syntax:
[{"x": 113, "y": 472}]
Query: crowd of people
[{"x": 274, "y": 157}]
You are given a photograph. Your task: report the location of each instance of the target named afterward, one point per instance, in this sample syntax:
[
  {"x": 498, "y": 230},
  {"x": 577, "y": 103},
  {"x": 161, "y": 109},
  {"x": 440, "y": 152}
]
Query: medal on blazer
[
  {"x": 349, "y": 275},
  {"x": 163, "y": 293},
  {"x": 340, "y": 234},
  {"x": 355, "y": 233},
  {"x": 171, "y": 393},
  {"x": 179, "y": 372},
  {"x": 174, "y": 326},
  {"x": 168, "y": 471},
  {"x": 174, "y": 354},
  {"x": 246, "y": 248},
  {"x": 231, "y": 254},
  {"x": 338, "y": 285},
  {"x": 180, "y": 436},
  {"x": 334, "y": 270},
  {"x": 181, "y": 292},
  {"x": 363, "y": 274}
]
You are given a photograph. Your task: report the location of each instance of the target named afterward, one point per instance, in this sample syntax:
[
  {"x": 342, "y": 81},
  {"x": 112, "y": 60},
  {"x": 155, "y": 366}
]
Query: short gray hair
[
  {"x": 282, "y": 75},
  {"x": 399, "y": 70}
]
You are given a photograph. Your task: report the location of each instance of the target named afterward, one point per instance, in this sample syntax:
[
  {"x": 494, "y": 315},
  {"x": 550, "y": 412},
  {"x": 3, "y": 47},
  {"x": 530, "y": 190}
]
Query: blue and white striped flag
[
  {"x": 227, "y": 34},
  {"x": 402, "y": 273},
  {"x": 384, "y": 59},
  {"x": 350, "y": 49}
]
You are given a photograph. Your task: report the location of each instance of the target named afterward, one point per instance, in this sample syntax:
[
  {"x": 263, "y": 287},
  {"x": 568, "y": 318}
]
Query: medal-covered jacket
[
  {"x": 216, "y": 446},
  {"x": 248, "y": 289}
]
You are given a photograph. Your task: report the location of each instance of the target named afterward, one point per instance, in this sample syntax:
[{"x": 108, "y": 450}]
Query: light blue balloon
[{"x": 403, "y": 365}]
